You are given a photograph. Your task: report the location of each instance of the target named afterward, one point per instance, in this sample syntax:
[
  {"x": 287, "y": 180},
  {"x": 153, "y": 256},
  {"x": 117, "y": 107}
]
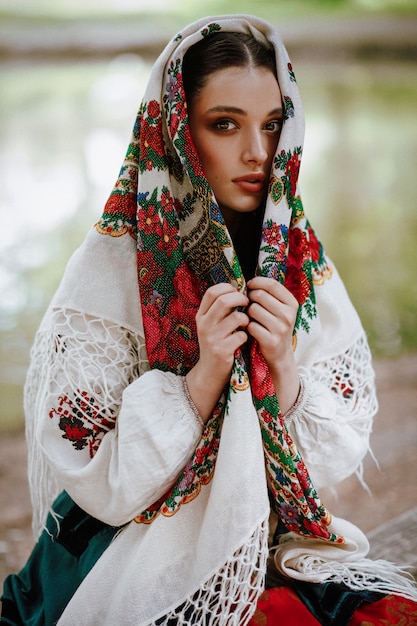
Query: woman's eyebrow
[
  {"x": 224, "y": 108},
  {"x": 277, "y": 111},
  {"x": 220, "y": 108}
]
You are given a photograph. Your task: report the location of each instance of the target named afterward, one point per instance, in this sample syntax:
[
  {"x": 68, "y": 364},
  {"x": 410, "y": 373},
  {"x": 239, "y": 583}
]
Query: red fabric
[
  {"x": 390, "y": 610},
  {"x": 281, "y": 605}
]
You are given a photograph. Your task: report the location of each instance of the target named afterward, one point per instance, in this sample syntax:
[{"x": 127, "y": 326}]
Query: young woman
[{"x": 200, "y": 372}]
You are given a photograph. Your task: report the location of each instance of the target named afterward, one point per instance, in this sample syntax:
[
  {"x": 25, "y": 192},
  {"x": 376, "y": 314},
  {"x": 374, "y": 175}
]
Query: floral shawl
[{"x": 164, "y": 201}]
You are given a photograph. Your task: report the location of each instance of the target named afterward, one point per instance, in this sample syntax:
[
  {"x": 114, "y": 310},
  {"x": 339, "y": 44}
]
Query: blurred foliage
[{"x": 184, "y": 11}]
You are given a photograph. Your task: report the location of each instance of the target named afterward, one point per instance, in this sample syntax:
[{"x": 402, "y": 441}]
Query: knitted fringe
[{"x": 380, "y": 575}]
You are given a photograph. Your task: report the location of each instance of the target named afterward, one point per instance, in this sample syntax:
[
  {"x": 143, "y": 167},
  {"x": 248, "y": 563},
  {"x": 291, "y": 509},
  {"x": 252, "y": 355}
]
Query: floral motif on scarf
[{"x": 164, "y": 201}]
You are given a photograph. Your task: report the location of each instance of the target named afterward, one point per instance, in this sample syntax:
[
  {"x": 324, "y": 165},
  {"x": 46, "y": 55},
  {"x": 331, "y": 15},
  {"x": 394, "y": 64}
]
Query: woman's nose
[{"x": 255, "y": 148}]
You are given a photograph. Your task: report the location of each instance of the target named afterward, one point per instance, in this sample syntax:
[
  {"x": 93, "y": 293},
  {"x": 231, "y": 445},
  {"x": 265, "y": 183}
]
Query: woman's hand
[
  {"x": 272, "y": 312},
  {"x": 221, "y": 330}
]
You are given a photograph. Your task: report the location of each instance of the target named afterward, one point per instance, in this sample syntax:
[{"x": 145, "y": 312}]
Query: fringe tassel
[{"x": 380, "y": 575}]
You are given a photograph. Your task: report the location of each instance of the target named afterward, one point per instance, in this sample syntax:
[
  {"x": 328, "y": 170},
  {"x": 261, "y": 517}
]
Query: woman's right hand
[{"x": 221, "y": 330}]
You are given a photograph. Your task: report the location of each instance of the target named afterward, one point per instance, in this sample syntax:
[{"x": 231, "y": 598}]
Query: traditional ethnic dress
[{"x": 109, "y": 419}]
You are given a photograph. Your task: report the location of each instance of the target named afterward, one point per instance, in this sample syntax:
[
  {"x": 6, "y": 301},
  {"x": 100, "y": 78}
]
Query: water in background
[{"x": 64, "y": 131}]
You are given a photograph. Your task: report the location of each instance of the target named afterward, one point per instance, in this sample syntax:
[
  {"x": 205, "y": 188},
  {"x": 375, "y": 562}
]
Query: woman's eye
[
  {"x": 224, "y": 125},
  {"x": 274, "y": 126}
]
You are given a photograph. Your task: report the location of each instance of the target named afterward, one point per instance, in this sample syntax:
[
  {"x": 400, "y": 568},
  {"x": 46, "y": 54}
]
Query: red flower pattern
[
  {"x": 297, "y": 282},
  {"x": 314, "y": 245},
  {"x": 296, "y": 279},
  {"x": 292, "y": 170},
  {"x": 154, "y": 109},
  {"x": 272, "y": 235},
  {"x": 176, "y": 119},
  {"x": 75, "y": 418},
  {"x": 156, "y": 327},
  {"x": 149, "y": 221},
  {"x": 151, "y": 138},
  {"x": 299, "y": 251},
  {"x": 262, "y": 385},
  {"x": 148, "y": 270},
  {"x": 316, "y": 529},
  {"x": 169, "y": 240}
]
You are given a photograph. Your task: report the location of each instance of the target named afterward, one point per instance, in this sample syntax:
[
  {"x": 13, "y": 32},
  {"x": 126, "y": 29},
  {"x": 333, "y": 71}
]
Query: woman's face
[{"x": 235, "y": 123}]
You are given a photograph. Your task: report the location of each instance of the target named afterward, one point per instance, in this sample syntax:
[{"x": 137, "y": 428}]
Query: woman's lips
[{"x": 251, "y": 183}]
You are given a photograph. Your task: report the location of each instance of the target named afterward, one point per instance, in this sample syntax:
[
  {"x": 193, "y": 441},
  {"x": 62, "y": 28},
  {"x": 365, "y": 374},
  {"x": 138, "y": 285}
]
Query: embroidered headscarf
[{"x": 163, "y": 199}]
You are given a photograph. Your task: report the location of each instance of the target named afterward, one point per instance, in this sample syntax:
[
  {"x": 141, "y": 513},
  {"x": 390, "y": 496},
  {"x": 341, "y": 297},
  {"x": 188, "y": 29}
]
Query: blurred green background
[{"x": 72, "y": 76}]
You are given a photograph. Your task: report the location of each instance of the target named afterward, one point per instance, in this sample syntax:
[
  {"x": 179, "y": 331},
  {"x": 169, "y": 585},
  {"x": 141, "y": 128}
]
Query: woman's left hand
[{"x": 272, "y": 311}]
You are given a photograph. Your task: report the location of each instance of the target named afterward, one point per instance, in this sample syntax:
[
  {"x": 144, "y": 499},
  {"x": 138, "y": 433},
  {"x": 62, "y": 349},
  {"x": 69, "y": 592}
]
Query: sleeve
[
  {"x": 332, "y": 419},
  {"x": 113, "y": 439}
]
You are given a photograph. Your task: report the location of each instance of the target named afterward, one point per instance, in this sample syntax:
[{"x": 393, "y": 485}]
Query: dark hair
[{"x": 219, "y": 51}]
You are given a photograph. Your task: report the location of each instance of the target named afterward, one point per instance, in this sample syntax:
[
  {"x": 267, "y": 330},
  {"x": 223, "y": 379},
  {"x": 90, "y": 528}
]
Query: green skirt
[{"x": 64, "y": 554}]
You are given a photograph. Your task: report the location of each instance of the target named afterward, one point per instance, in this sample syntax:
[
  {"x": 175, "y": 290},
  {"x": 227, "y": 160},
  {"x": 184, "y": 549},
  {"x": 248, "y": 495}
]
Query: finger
[
  {"x": 260, "y": 333},
  {"x": 213, "y": 293},
  {"x": 271, "y": 286},
  {"x": 270, "y": 331},
  {"x": 221, "y": 353},
  {"x": 279, "y": 322},
  {"x": 222, "y": 292},
  {"x": 217, "y": 333},
  {"x": 262, "y": 315},
  {"x": 271, "y": 303},
  {"x": 236, "y": 320},
  {"x": 224, "y": 304},
  {"x": 236, "y": 340},
  {"x": 263, "y": 307}
]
